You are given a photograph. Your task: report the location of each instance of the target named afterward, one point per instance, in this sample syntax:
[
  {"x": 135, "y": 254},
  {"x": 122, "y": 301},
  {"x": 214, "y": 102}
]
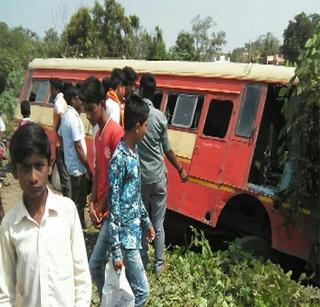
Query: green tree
[
  {"x": 117, "y": 29},
  {"x": 239, "y": 55},
  {"x": 132, "y": 26},
  {"x": 200, "y": 44},
  {"x": 207, "y": 44},
  {"x": 76, "y": 34},
  {"x": 8, "y": 99},
  {"x": 106, "y": 31},
  {"x": 184, "y": 48},
  {"x": 297, "y": 33},
  {"x": 143, "y": 43},
  {"x": 103, "y": 31},
  {"x": 258, "y": 50},
  {"x": 302, "y": 112},
  {"x": 18, "y": 46},
  {"x": 25, "y": 44},
  {"x": 157, "y": 49},
  {"x": 269, "y": 45},
  {"x": 99, "y": 46},
  {"x": 5, "y": 38},
  {"x": 51, "y": 44}
]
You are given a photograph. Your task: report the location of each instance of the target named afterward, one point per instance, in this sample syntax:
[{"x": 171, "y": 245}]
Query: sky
[{"x": 241, "y": 20}]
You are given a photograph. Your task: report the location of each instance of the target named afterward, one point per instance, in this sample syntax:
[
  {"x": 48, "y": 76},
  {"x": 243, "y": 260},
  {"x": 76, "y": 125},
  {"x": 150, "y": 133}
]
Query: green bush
[
  {"x": 8, "y": 99},
  {"x": 224, "y": 278}
]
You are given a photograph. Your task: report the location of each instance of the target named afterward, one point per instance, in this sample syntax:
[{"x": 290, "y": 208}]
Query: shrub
[
  {"x": 232, "y": 278},
  {"x": 225, "y": 278},
  {"x": 8, "y": 99}
]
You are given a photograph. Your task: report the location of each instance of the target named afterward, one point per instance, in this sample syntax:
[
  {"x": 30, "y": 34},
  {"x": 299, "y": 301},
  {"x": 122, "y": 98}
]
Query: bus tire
[
  {"x": 257, "y": 246},
  {"x": 55, "y": 179}
]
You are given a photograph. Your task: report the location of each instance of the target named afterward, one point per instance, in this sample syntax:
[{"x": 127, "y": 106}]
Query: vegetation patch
[{"x": 196, "y": 276}]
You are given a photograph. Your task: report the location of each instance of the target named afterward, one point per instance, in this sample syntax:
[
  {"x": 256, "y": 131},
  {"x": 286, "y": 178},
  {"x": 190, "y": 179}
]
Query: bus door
[
  {"x": 212, "y": 139},
  {"x": 237, "y": 158}
]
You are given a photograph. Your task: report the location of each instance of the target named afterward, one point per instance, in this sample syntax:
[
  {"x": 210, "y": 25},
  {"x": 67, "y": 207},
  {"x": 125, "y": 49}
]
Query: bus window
[
  {"x": 39, "y": 91},
  {"x": 51, "y": 99},
  {"x": 183, "y": 110},
  {"x": 171, "y": 104},
  {"x": 248, "y": 110},
  {"x": 157, "y": 99},
  {"x": 218, "y": 118}
]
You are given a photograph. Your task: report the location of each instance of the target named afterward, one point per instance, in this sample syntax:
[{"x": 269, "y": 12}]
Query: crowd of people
[{"x": 43, "y": 258}]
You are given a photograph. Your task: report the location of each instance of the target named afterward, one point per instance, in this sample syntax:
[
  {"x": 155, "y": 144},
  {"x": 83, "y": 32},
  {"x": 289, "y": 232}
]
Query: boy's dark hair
[
  {"x": 70, "y": 92},
  {"x": 25, "y": 108},
  {"x": 130, "y": 75},
  {"x": 3, "y": 80},
  {"x": 106, "y": 83},
  {"x": 148, "y": 85},
  {"x": 117, "y": 78},
  {"x": 28, "y": 140},
  {"x": 58, "y": 84},
  {"x": 135, "y": 111},
  {"x": 91, "y": 91}
]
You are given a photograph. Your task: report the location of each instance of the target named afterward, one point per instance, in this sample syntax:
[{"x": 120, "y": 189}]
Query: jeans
[
  {"x": 136, "y": 276},
  {"x": 154, "y": 197},
  {"x": 79, "y": 194},
  {"x": 63, "y": 174},
  {"x": 132, "y": 260},
  {"x": 99, "y": 257}
]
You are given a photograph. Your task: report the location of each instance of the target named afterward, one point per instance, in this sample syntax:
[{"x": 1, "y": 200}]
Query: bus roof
[{"x": 224, "y": 70}]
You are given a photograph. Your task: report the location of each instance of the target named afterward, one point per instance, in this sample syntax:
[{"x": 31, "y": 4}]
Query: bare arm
[
  {"x": 94, "y": 208},
  {"x": 171, "y": 156}
]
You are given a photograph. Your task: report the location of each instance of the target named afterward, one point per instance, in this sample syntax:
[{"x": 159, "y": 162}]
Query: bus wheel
[
  {"x": 55, "y": 179},
  {"x": 257, "y": 246}
]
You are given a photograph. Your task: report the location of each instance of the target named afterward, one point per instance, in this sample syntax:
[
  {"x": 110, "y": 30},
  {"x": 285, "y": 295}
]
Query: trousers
[
  {"x": 132, "y": 261},
  {"x": 154, "y": 197},
  {"x": 63, "y": 174},
  {"x": 79, "y": 194}
]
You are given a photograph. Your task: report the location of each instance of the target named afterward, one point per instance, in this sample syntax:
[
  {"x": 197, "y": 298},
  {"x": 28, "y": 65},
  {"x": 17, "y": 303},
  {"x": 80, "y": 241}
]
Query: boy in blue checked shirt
[{"x": 127, "y": 213}]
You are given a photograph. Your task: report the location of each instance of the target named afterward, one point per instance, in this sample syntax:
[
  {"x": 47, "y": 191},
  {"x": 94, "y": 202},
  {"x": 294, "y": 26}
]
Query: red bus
[{"x": 224, "y": 121}]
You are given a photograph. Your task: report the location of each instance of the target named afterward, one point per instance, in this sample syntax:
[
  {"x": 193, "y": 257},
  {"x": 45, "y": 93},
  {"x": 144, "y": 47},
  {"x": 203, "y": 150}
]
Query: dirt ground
[{"x": 10, "y": 192}]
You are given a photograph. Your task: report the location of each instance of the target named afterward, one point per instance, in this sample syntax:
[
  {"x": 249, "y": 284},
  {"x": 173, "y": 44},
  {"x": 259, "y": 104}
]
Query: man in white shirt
[
  {"x": 60, "y": 107},
  {"x": 43, "y": 260},
  {"x": 75, "y": 150}
]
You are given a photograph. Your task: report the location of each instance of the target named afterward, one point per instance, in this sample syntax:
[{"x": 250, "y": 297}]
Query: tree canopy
[
  {"x": 18, "y": 47},
  {"x": 297, "y": 33},
  {"x": 200, "y": 44},
  {"x": 302, "y": 112},
  {"x": 258, "y": 50},
  {"x": 106, "y": 31}
]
